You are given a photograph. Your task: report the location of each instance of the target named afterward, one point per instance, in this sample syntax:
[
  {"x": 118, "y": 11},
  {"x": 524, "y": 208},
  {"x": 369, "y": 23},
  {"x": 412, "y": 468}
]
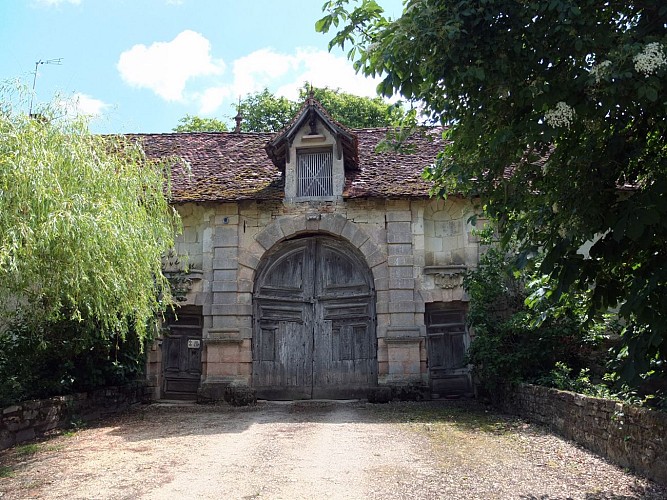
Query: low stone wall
[
  {"x": 31, "y": 419},
  {"x": 628, "y": 435}
]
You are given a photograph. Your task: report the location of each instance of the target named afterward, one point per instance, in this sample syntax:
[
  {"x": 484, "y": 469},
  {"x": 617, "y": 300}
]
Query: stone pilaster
[{"x": 228, "y": 358}]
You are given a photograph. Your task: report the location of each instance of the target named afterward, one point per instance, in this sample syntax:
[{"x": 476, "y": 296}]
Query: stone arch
[{"x": 287, "y": 227}]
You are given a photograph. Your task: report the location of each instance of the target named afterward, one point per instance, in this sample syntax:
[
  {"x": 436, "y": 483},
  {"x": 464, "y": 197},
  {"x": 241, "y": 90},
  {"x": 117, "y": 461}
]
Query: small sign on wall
[{"x": 194, "y": 344}]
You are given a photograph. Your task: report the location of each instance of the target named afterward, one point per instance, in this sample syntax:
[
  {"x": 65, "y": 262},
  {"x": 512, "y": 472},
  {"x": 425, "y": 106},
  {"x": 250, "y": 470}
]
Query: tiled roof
[
  {"x": 228, "y": 166},
  {"x": 391, "y": 174}
]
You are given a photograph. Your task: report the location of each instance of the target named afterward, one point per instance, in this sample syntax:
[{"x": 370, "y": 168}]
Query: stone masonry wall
[
  {"x": 400, "y": 239},
  {"x": 31, "y": 419},
  {"x": 448, "y": 234},
  {"x": 628, "y": 435}
]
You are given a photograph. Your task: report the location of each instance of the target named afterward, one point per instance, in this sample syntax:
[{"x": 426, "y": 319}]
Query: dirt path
[{"x": 313, "y": 450}]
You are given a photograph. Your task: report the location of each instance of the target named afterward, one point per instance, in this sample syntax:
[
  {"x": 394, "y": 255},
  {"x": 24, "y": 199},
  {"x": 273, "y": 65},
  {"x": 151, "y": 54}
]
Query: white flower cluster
[
  {"x": 601, "y": 70},
  {"x": 650, "y": 59},
  {"x": 561, "y": 116}
]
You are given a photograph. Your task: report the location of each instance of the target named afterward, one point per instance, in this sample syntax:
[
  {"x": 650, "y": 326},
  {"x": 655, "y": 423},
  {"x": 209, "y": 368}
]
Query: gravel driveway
[{"x": 315, "y": 450}]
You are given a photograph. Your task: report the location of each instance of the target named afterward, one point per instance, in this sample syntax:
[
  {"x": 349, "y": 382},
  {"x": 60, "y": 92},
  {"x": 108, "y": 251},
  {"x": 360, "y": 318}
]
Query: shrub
[
  {"x": 518, "y": 334},
  {"x": 54, "y": 358}
]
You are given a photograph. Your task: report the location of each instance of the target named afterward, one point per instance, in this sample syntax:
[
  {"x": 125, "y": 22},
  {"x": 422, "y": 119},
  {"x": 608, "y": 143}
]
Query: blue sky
[{"x": 140, "y": 65}]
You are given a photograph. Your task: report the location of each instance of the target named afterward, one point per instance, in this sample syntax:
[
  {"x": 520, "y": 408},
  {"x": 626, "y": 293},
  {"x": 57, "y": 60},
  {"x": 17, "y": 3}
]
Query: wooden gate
[
  {"x": 447, "y": 345},
  {"x": 314, "y": 314},
  {"x": 181, "y": 355}
]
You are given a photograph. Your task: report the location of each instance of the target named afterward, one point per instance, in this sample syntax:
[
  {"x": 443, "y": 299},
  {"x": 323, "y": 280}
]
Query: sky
[{"x": 141, "y": 65}]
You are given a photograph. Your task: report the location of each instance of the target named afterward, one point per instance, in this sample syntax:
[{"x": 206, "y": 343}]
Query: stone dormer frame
[
  {"x": 313, "y": 130},
  {"x": 305, "y": 141}
]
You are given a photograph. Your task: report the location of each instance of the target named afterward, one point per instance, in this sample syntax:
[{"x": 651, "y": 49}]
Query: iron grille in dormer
[{"x": 314, "y": 173}]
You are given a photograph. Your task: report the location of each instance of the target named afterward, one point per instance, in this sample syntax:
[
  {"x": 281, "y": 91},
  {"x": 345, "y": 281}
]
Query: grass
[
  {"x": 467, "y": 416},
  {"x": 458, "y": 427},
  {"x": 6, "y": 471},
  {"x": 464, "y": 434},
  {"x": 27, "y": 449},
  {"x": 34, "y": 483}
]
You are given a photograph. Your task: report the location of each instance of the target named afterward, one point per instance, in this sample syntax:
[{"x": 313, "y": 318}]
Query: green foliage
[
  {"x": 354, "y": 111},
  {"x": 39, "y": 360},
  {"x": 266, "y": 112},
  {"x": 84, "y": 222},
  {"x": 190, "y": 123},
  {"x": 560, "y": 377},
  {"x": 513, "y": 342},
  {"x": 557, "y": 121},
  {"x": 27, "y": 449}
]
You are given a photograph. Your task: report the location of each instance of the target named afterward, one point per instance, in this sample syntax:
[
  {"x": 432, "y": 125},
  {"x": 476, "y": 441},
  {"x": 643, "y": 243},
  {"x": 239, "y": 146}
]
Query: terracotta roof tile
[
  {"x": 391, "y": 174},
  {"x": 228, "y": 166}
]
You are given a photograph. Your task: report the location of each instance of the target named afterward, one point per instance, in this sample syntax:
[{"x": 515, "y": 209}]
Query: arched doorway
[{"x": 314, "y": 322}]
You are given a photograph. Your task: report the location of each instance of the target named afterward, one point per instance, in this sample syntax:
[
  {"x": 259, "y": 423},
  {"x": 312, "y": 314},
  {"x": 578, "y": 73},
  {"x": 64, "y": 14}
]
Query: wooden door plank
[
  {"x": 181, "y": 363},
  {"x": 333, "y": 350}
]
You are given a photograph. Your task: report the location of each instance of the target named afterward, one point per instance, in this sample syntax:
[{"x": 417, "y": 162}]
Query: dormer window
[
  {"x": 313, "y": 152},
  {"x": 314, "y": 173}
]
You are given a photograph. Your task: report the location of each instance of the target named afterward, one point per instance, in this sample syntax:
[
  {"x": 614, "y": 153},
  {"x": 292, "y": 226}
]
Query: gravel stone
[{"x": 312, "y": 450}]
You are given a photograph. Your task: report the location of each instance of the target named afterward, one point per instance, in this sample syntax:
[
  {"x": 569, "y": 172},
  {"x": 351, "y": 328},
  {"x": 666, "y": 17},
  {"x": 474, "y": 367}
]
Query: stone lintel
[
  {"x": 406, "y": 332},
  {"x": 402, "y": 340},
  {"x": 223, "y": 336},
  {"x": 451, "y": 269},
  {"x": 226, "y": 380},
  {"x": 219, "y": 341}
]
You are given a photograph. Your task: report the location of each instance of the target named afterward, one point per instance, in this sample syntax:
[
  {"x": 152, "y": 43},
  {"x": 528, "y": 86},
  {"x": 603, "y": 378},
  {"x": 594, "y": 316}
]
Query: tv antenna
[{"x": 57, "y": 61}]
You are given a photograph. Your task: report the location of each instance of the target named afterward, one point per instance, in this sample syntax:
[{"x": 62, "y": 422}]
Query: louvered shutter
[{"x": 314, "y": 174}]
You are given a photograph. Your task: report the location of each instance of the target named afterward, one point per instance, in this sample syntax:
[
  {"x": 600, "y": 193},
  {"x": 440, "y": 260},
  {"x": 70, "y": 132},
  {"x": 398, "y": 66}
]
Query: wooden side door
[
  {"x": 283, "y": 330},
  {"x": 345, "y": 342},
  {"x": 181, "y": 355},
  {"x": 447, "y": 345}
]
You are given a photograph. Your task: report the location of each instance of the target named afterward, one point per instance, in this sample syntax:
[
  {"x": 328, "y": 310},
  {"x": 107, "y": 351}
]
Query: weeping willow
[{"x": 84, "y": 222}]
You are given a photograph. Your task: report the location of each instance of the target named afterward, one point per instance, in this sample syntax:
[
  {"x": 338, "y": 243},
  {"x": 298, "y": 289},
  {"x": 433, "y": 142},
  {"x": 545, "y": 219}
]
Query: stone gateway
[{"x": 316, "y": 266}]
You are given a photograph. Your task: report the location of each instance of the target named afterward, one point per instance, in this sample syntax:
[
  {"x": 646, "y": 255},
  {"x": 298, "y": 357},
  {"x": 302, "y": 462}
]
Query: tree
[
  {"x": 557, "y": 120},
  {"x": 84, "y": 222},
  {"x": 190, "y": 123},
  {"x": 355, "y": 111},
  {"x": 265, "y": 112}
]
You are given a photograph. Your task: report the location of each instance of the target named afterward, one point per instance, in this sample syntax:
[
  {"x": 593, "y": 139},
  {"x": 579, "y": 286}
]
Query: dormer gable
[{"x": 313, "y": 151}]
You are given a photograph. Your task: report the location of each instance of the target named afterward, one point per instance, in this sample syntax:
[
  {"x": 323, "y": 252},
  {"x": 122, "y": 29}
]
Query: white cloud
[
  {"x": 259, "y": 69},
  {"x": 212, "y": 98},
  {"x": 82, "y": 104},
  {"x": 88, "y": 105},
  {"x": 285, "y": 74},
  {"x": 323, "y": 69},
  {"x": 166, "y": 67},
  {"x": 170, "y": 70}
]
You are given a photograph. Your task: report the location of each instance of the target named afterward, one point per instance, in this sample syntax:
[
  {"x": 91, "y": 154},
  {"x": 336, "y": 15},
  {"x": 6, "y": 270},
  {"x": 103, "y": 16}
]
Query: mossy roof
[{"x": 230, "y": 166}]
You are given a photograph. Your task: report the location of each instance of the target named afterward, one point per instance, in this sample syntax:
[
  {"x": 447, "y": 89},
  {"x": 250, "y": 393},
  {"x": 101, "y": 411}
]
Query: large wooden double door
[{"x": 314, "y": 322}]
